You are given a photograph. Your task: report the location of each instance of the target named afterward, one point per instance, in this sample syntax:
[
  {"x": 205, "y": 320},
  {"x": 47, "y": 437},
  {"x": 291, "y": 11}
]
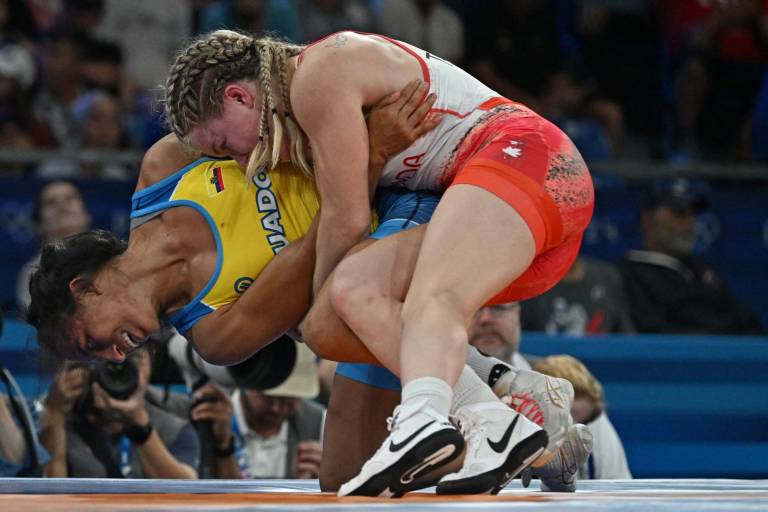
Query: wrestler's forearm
[{"x": 337, "y": 234}]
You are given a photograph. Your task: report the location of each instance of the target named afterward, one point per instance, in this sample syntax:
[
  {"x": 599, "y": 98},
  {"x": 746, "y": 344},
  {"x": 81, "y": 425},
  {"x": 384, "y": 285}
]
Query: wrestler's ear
[
  {"x": 238, "y": 93},
  {"x": 80, "y": 286}
]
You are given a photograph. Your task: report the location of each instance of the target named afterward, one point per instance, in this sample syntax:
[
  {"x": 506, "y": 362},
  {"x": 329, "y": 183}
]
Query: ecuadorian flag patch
[{"x": 214, "y": 181}]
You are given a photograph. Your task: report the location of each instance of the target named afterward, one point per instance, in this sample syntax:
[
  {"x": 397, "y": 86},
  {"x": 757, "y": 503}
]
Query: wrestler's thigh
[
  {"x": 355, "y": 426},
  {"x": 475, "y": 244}
]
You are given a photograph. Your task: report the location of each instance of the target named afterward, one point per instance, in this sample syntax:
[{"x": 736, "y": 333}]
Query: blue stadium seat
[{"x": 684, "y": 406}]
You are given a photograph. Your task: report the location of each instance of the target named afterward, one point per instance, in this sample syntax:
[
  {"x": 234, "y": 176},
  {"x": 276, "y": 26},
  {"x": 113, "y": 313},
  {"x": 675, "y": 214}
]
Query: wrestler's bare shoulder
[
  {"x": 368, "y": 65},
  {"x": 164, "y": 158}
]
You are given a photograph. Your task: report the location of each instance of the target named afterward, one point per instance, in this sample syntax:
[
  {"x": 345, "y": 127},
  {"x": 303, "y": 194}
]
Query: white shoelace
[{"x": 472, "y": 430}]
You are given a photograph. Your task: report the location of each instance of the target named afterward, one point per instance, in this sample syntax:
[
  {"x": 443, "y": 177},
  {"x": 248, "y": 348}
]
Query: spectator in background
[
  {"x": 60, "y": 87},
  {"x": 80, "y": 16},
  {"x": 428, "y": 24},
  {"x": 96, "y": 117},
  {"x": 58, "y": 212},
  {"x": 495, "y": 330},
  {"x": 515, "y": 48},
  {"x": 619, "y": 45},
  {"x": 17, "y": 23},
  {"x": 17, "y": 76},
  {"x": 275, "y": 433},
  {"x": 91, "y": 434},
  {"x": 668, "y": 289},
  {"x": 101, "y": 65},
  {"x": 608, "y": 460},
  {"x": 15, "y": 456},
  {"x": 102, "y": 69},
  {"x": 588, "y": 300},
  {"x": 259, "y": 17},
  {"x": 213, "y": 404},
  {"x": 149, "y": 33},
  {"x": 319, "y": 18},
  {"x": 719, "y": 53},
  {"x": 13, "y": 447}
]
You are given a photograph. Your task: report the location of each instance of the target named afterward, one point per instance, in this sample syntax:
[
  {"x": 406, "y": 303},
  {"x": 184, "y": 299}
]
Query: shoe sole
[
  {"x": 430, "y": 454},
  {"x": 491, "y": 482}
]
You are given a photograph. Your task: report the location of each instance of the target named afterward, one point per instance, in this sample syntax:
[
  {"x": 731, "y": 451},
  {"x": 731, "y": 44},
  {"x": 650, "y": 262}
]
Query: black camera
[{"x": 119, "y": 380}]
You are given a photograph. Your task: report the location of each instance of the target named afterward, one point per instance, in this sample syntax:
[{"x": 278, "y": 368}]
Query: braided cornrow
[
  {"x": 198, "y": 76},
  {"x": 294, "y": 133},
  {"x": 200, "y": 73}
]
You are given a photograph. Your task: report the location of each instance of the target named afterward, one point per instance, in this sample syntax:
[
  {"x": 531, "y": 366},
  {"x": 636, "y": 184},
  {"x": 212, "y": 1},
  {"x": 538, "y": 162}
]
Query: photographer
[
  {"x": 16, "y": 458},
  {"x": 18, "y": 431},
  {"x": 270, "y": 428},
  {"x": 104, "y": 420},
  {"x": 213, "y": 404}
]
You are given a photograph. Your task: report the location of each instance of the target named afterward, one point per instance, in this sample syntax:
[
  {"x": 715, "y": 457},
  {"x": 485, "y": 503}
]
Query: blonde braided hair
[{"x": 197, "y": 78}]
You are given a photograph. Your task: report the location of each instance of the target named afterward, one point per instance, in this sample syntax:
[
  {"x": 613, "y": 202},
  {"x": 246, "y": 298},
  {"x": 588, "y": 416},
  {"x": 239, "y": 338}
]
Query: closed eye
[{"x": 91, "y": 345}]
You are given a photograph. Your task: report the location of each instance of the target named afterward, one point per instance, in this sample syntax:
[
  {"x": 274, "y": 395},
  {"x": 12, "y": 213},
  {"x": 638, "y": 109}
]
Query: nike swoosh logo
[
  {"x": 501, "y": 445},
  {"x": 394, "y": 447}
]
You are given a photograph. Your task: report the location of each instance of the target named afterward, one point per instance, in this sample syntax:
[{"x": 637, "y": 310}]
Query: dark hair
[{"x": 52, "y": 303}]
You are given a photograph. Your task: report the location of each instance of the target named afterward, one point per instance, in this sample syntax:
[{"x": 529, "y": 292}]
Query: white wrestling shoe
[
  {"x": 542, "y": 399},
  {"x": 500, "y": 444},
  {"x": 559, "y": 474},
  {"x": 420, "y": 441}
]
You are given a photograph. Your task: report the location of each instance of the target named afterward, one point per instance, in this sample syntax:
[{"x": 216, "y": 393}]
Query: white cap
[{"x": 303, "y": 381}]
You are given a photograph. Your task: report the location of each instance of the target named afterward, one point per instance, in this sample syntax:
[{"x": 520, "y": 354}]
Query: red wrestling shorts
[{"x": 532, "y": 165}]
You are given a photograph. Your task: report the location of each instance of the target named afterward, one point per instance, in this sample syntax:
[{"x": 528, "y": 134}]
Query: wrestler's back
[{"x": 383, "y": 65}]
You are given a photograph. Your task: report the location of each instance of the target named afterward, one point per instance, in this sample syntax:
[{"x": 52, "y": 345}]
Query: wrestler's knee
[
  {"x": 314, "y": 334},
  {"x": 349, "y": 289}
]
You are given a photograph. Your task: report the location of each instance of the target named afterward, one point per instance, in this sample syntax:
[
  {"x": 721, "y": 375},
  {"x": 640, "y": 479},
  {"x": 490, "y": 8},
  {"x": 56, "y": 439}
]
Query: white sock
[
  {"x": 469, "y": 389},
  {"x": 436, "y": 393},
  {"x": 488, "y": 368}
]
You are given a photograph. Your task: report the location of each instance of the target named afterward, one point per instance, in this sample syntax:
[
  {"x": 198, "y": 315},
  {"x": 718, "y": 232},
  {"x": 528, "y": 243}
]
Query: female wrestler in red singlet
[{"x": 517, "y": 198}]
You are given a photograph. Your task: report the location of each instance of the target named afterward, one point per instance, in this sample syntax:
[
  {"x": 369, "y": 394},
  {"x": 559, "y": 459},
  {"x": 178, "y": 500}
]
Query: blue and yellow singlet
[{"x": 251, "y": 222}]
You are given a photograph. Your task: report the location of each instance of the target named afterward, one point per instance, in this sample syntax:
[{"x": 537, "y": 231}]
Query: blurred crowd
[{"x": 678, "y": 81}]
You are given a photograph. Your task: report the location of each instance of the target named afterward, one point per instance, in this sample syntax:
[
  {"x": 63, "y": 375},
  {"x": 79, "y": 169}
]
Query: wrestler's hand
[
  {"x": 308, "y": 455},
  {"x": 399, "y": 119}
]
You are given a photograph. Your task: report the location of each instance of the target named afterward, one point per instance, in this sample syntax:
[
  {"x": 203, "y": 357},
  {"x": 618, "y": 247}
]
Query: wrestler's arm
[
  {"x": 331, "y": 114},
  {"x": 273, "y": 304}
]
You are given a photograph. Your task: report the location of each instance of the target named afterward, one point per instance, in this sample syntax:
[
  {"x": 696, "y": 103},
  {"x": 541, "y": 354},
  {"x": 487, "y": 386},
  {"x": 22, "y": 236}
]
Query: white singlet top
[{"x": 428, "y": 164}]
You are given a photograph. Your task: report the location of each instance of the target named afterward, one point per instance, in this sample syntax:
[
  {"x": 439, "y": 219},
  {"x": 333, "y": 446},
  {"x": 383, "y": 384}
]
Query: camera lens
[{"x": 119, "y": 380}]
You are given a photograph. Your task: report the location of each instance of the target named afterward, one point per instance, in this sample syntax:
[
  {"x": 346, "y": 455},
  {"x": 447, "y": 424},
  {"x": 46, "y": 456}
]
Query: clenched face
[
  {"x": 110, "y": 321},
  {"x": 235, "y": 132}
]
